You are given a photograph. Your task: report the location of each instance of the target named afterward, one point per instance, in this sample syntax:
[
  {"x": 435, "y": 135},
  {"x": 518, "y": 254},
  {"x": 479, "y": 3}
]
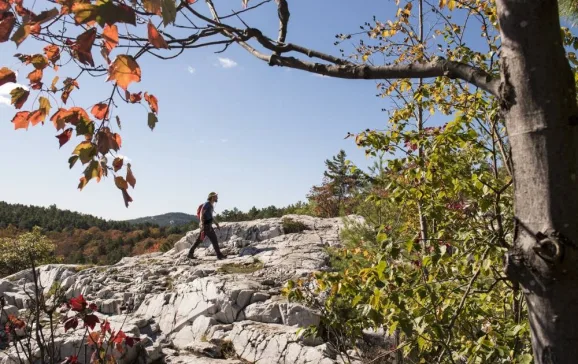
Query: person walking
[{"x": 206, "y": 220}]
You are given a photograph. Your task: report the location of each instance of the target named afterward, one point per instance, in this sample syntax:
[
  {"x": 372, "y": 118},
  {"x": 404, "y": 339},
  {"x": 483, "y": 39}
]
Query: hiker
[{"x": 205, "y": 213}]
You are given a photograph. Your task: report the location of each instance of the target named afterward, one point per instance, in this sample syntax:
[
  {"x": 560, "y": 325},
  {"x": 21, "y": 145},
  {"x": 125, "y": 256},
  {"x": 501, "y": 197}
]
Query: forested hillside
[{"x": 168, "y": 219}]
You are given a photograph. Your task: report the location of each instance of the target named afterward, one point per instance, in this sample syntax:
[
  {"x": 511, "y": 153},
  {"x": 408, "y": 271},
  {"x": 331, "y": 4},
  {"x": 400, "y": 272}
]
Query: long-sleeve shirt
[{"x": 207, "y": 214}]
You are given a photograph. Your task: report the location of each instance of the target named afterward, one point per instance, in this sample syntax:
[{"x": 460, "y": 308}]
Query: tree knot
[{"x": 551, "y": 245}]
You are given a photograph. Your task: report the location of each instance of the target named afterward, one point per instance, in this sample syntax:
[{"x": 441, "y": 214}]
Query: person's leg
[
  {"x": 213, "y": 237},
  {"x": 199, "y": 240}
]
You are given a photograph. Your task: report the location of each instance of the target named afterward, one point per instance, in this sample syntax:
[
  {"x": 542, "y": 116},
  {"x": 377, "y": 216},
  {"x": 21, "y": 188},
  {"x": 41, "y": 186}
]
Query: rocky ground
[{"x": 201, "y": 310}]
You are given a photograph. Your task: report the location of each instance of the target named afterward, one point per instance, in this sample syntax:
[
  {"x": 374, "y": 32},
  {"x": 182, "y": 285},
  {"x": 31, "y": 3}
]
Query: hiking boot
[
  {"x": 221, "y": 257},
  {"x": 191, "y": 254}
]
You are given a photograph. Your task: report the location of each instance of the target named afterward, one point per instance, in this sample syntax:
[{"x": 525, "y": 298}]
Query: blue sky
[{"x": 257, "y": 135}]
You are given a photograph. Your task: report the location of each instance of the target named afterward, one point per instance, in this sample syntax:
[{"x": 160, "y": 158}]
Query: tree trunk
[{"x": 538, "y": 102}]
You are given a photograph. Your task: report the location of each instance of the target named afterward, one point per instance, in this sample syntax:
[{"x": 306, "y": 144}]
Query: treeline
[
  {"x": 254, "y": 213},
  {"x": 51, "y": 218}
]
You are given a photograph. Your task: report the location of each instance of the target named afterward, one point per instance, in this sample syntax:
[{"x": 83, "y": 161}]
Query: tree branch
[{"x": 283, "y": 13}]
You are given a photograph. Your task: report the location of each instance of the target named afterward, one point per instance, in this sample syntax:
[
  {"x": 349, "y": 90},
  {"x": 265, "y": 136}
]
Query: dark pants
[{"x": 208, "y": 232}]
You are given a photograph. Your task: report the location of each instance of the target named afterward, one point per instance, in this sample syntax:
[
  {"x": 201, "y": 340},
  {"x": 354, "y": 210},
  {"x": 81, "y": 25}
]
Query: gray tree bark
[{"x": 538, "y": 102}]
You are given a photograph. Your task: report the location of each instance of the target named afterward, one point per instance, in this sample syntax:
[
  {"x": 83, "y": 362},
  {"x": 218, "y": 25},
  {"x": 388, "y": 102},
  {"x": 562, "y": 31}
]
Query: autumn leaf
[
  {"x": 64, "y": 138},
  {"x": 4, "y": 5},
  {"x": 52, "y": 53},
  {"x": 6, "y": 75},
  {"x": 82, "y": 183},
  {"x": 69, "y": 85},
  {"x": 118, "y": 122},
  {"x": 19, "y": 96},
  {"x": 40, "y": 114},
  {"x": 153, "y": 102},
  {"x": 133, "y": 98},
  {"x": 35, "y": 76},
  {"x": 152, "y": 6},
  {"x": 53, "y": 85},
  {"x": 100, "y": 111},
  {"x": 71, "y": 323},
  {"x": 106, "y": 141},
  {"x": 72, "y": 160},
  {"x": 7, "y": 21},
  {"x": 21, "y": 34},
  {"x": 117, "y": 139},
  {"x": 45, "y": 16},
  {"x": 82, "y": 49},
  {"x": 152, "y": 120},
  {"x": 78, "y": 303},
  {"x": 93, "y": 338},
  {"x": 122, "y": 185},
  {"x": 110, "y": 36},
  {"x": 103, "y": 12},
  {"x": 124, "y": 70},
  {"x": 117, "y": 163},
  {"x": 74, "y": 116},
  {"x": 38, "y": 61},
  {"x": 20, "y": 120},
  {"x": 129, "y": 176},
  {"x": 85, "y": 151},
  {"x": 93, "y": 170},
  {"x": 155, "y": 38},
  {"x": 169, "y": 11}
]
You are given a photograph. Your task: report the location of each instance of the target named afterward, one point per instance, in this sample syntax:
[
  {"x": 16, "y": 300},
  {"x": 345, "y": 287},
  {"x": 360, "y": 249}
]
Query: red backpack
[{"x": 199, "y": 211}]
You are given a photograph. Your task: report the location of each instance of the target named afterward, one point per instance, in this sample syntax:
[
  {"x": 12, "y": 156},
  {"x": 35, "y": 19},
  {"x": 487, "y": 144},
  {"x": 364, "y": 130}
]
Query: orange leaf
[
  {"x": 73, "y": 116},
  {"x": 40, "y": 114},
  {"x": 110, "y": 36},
  {"x": 120, "y": 183},
  {"x": 7, "y": 21},
  {"x": 117, "y": 139},
  {"x": 20, "y": 120},
  {"x": 52, "y": 53},
  {"x": 4, "y": 5},
  {"x": 69, "y": 85},
  {"x": 93, "y": 338},
  {"x": 6, "y": 75},
  {"x": 124, "y": 70},
  {"x": 53, "y": 86},
  {"x": 127, "y": 199},
  {"x": 153, "y": 102},
  {"x": 19, "y": 96},
  {"x": 35, "y": 76},
  {"x": 82, "y": 183},
  {"x": 100, "y": 111},
  {"x": 155, "y": 38},
  {"x": 83, "y": 46},
  {"x": 129, "y": 176},
  {"x": 64, "y": 137}
]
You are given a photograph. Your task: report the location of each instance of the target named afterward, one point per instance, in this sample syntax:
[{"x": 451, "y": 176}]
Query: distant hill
[{"x": 168, "y": 219}]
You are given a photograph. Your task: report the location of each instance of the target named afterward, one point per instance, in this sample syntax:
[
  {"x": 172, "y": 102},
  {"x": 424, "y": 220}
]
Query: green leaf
[
  {"x": 72, "y": 160},
  {"x": 169, "y": 11},
  {"x": 103, "y": 12},
  {"x": 356, "y": 300},
  {"x": 152, "y": 120}
]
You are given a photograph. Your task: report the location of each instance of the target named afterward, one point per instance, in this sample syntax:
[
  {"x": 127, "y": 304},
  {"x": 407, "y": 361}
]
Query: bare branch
[{"x": 283, "y": 13}]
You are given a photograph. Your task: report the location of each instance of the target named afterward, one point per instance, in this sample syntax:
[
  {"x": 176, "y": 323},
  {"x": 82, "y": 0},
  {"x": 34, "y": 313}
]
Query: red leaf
[
  {"x": 73, "y": 359},
  {"x": 100, "y": 111},
  {"x": 133, "y": 98},
  {"x": 93, "y": 307},
  {"x": 6, "y": 75},
  {"x": 19, "y": 324},
  {"x": 7, "y": 21},
  {"x": 4, "y": 5},
  {"x": 64, "y": 137},
  {"x": 131, "y": 340},
  {"x": 105, "y": 326},
  {"x": 35, "y": 76},
  {"x": 71, "y": 323},
  {"x": 153, "y": 102},
  {"x": 82, "y": 49},
  {"x": 117, "y": 164},
  {"x": 191, "y": 1},
  {"x": 91, "y": 321},
  {"x": 78, "y": 303},
  {"x": 20, "y": 120},
  {"x": 119, "y": 337},
  {"x": 110, "y": 36},
  {"x": 155, "y": 38}
]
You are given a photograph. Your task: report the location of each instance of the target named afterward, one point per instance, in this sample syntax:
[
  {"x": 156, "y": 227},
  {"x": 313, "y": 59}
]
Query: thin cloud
[
  {"x": 224, "y": 140},
  {"x": 191, "y": 70},
  {"x": 227, "y": 63},
  {"x": 5, "y": 98}
]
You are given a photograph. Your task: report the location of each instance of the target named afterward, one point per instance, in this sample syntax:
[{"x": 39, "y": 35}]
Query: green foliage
[
  {"x": 20, "y": 253},
  {"x": 291, "y": 226},
  {"x": 236, "y": 215}
]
